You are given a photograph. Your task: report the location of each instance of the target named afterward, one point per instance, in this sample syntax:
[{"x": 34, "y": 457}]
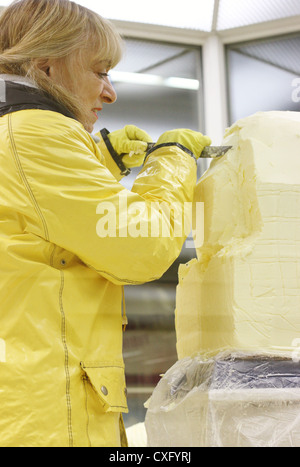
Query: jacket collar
[
  {"x": 18, "y": 93},
  {"x": 18, "y": 79}
]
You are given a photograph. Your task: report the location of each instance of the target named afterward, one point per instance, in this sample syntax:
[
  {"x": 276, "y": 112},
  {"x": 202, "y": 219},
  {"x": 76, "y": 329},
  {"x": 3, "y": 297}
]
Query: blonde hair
[{"x": 33, "y": 31}]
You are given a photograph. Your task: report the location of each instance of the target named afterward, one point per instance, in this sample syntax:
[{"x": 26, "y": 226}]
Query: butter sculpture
[
  {"x": 237, "y": 379},
  {"x": 242, "y": 293}
]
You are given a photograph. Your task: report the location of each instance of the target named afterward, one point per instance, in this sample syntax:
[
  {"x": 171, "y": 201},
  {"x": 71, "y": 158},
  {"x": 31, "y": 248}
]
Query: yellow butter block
[{"x": 243, "y": 290}]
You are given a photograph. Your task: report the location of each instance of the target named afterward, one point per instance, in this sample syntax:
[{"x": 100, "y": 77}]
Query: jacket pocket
[{"x": 108, "y": 384}]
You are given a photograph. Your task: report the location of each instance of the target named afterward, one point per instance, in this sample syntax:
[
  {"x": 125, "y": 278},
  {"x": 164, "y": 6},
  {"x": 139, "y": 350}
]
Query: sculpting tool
[{"x": 211, "y": 152}]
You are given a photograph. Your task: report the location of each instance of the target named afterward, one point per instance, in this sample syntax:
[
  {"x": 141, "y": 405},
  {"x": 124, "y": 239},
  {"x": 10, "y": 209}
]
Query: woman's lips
[{"x": 95, "y": 112}]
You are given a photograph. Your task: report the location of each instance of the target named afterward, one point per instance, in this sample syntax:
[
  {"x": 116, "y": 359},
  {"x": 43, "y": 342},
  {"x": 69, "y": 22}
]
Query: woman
[{"x": 61, "y": 318}]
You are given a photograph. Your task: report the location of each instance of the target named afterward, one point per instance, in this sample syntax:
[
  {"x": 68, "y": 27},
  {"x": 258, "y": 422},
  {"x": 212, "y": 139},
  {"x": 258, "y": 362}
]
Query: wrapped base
[{"x": 232, "y": 400}]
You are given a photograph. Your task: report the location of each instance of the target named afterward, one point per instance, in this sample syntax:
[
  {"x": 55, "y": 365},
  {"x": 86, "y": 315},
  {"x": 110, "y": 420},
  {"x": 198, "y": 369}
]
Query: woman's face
[{"x": 90, "y": 83}]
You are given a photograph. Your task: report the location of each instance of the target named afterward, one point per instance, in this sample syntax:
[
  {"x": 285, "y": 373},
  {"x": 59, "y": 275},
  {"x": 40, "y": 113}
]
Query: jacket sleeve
[{"x": 129, "y": 237}]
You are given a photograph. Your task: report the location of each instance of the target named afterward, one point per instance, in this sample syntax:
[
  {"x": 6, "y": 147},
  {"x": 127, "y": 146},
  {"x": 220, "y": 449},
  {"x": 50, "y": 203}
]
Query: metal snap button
[
  {"x": 63, "y": 262},
  {"x": 104, "y": 390}
]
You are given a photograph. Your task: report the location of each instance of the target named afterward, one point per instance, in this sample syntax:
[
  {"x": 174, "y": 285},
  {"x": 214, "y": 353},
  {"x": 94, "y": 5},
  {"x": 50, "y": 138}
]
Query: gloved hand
[
  {"x": 192, "y": 140},
  {"x": 131, "y": 143}
]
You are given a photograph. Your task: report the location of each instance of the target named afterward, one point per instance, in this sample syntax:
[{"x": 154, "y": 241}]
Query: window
[{"x": 263, "y": 76}]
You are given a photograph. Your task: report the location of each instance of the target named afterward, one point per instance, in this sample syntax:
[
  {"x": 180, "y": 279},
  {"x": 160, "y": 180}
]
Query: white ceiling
[
  {"x": 202, "y": 15},
  {"x": 189, "y": 14},
  {"x": 237, "y": 13},
  {"x": 199, "y": 15}
]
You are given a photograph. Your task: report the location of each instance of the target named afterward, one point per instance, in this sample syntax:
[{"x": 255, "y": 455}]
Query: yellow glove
[
  {"x": 191, "y": 140},
  {"x": 130, "y": 144}
]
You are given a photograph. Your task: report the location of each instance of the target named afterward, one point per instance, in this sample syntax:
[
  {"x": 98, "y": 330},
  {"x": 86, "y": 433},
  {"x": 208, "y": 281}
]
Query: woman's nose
[{"x": 108, "y": 95}]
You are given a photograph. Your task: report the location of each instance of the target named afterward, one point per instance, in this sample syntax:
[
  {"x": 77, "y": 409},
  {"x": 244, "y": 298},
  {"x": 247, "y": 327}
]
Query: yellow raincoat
[{"x": 62, "y": 377}]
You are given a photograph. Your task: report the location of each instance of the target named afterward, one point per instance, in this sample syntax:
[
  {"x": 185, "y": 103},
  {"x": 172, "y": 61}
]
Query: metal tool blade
[
  {"x": 208, "y": 152},
  {"x": 214, "y": 151}
]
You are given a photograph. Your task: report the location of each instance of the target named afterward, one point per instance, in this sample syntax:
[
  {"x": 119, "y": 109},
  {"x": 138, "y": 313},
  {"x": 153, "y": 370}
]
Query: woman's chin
[{"x": 89, "y": 127}]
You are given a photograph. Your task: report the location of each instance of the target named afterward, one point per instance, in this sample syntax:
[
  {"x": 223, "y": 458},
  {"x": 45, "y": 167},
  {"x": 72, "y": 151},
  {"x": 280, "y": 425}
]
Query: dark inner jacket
[{"x": 22, "y": 97}]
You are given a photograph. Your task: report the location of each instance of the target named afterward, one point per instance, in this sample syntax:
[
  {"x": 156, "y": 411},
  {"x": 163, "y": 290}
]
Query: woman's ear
[
  {"x": 55, "y": 69},
  {"x": 45, "y": 65}
]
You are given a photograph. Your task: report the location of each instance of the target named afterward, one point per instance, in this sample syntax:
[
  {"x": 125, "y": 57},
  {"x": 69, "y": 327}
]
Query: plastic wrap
[{"x": 231, "y": 400}]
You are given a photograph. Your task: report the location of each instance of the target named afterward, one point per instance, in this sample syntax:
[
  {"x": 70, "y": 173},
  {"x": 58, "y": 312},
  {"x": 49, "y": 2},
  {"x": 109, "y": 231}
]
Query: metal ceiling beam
[
  {"x": 160, "y": 33},
  {"x": 261, "y": 30},
  {"x": 198, "y": 38},
  {"x": 215, "y": 16}
]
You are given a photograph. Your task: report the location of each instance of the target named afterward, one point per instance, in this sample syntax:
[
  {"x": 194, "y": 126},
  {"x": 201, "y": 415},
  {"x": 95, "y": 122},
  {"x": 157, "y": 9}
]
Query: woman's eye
[{"x": 103, "y": 75}]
